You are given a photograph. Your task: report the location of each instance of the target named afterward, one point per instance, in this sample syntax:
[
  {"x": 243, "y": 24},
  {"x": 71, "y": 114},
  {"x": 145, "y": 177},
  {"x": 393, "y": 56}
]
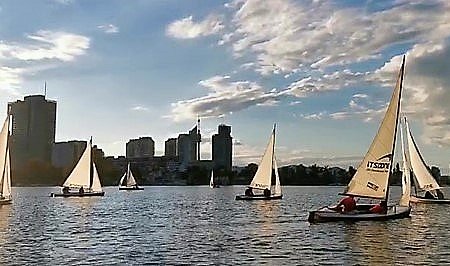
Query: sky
[{"x": 322, "y": 70}]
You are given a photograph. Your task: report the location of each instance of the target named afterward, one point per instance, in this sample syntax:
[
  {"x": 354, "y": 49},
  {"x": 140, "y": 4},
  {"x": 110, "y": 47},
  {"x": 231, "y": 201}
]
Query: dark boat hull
[
  {"x": 131, "y": 188},
  {"x": 5, "y": 201},
  {"x": 76, "y": 194},
  {"x": 429, "y": 201},
  {"x": 258, "y": 197},
  {"x": 327, "y": 215}
]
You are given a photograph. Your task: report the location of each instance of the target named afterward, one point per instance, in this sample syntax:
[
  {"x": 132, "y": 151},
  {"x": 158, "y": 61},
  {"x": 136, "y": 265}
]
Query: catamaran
[
  {"x": 5, "y": 165},
  {"x": 211, "y": 181},
  {"x": 266, "y": 182},
  {"x": 426, "y": 188},
  {"x": 128, "y": 182},
  {"x": 84, "y": 180},
  {"x": 371, "y": 179}
]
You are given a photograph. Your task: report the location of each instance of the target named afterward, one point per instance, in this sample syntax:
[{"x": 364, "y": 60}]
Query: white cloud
[
  {"x": 224, "y": 97},
  {"x": 108, "y": 28},
  {"x": 186, "y": 28},
  {"x": 140, "y": 108}
]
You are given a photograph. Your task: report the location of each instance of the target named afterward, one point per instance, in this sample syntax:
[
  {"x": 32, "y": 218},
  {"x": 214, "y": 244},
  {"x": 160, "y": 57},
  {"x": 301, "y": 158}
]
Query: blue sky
[{"x": 323, "y": 70}]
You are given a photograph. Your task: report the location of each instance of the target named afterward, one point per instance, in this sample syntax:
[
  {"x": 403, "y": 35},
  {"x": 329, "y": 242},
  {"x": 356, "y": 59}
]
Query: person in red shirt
[
  {"x": 347, "y": 204},
  {"x": 379, "y": 208}
]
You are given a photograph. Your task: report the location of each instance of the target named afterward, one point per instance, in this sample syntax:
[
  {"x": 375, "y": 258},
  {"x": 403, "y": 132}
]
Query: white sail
[
  {"x": 80, "y": 175},
  {"x": 406, "y": 175},
  {"x": 130, "y": 178},
  {"x": 277, "y": 187},
  {"x": 211, "y": 180},
  {"x": 96, "y": 185},
  {"x": 263, "y": 176},
  {"x": 372, "y": 175},
  {"x": 5, "y": 166},
  {"x": 424, "y": 180},
  {"x": 121, "y": 183}
]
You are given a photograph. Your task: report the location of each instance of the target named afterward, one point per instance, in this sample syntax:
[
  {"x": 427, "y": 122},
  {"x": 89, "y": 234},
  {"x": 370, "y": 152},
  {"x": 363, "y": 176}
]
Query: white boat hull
[
  {"x": 429, "y": 201},
  {"x": 326, "y": 214},
  {"x": 5, "y": 201}
]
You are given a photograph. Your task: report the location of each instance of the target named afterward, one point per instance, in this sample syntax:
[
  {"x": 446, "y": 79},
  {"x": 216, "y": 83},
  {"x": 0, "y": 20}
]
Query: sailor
[
  {"x": 267, "y": 193},
  {"x": 249, "y": 192},
  {"x": 379, "y": 208},
  {"x": 439, "y": 193},
  {"x": 65, "y": 190},
  {"x": 347, "y": 204},
  {"x": 428, "y": 195},
  {"x": 81, "y": 191}
]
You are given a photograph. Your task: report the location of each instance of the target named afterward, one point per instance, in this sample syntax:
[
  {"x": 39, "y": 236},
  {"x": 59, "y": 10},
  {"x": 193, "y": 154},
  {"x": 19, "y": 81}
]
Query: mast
[
  {"x": 91, "y": 169},
  {"x": 273, "y": 154},
  {"x": 6, "y": 155},
  {"x": 402, "y": 69}
]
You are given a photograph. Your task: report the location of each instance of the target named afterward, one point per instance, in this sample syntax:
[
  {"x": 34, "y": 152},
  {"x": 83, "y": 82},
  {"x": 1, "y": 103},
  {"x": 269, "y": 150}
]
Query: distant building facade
[
  {"x": 140, "y": 148},
  {"x": 33, "y": 129},
  {"x": 66, "y": 154},
  {"x": 187, "y": 145},
  {"x": 222, "y": 148},
  {"x": 170, "y": 147}
]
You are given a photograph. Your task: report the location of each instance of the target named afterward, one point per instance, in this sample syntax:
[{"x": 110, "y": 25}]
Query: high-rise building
[
  {"x": 66, "y": 154},
  {"x": 222, "y": 148},
  {"x": 140, "y": 148},
  {"x": 187, "y": 146},
  {"x": 170, "y": 147},
  {"x": 33, "y": 129}
]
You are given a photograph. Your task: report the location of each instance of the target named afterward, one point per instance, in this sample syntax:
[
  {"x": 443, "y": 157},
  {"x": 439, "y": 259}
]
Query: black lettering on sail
[{"x": 372, "y": 186}]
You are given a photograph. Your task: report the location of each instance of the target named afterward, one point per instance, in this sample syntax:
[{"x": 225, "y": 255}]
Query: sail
[
  {"x": 80, "y": 176},
  {"x": 263, "y": 176},
  {"x": 211, "y": 180},
  {"x": 122, "y": 181},
  {"x": 372, "y": 175},
  {"x": 277, "y": 187},
  {"x": 5, "y": 169},
  {"x": 96, "y": 185},
  {"x": 130, "y": 178},
  {"x": 424, "y": 180},
  {"x": 406, "y": 175}
]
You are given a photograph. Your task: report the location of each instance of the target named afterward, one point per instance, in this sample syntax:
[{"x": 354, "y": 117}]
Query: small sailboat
[
  {"x": 426, "y": 188},
  {"x": 371, "y": 179},
  {"x": 5, "y": 165},
  {"x": 211, "y": 181},
  {"x": 84, "y": 180},
  {"x": 128, "y": 182},
  {"x": 266, "y": 181}
]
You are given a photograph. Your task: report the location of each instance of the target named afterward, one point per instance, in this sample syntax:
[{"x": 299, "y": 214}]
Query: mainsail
[
  {"x": 277, "y": 188},
  {"x": 372, "y": 175},
  {"x": 128, "y": 178},
  {"x": 263, "y": 176},
  {"x": 211, "y": 180},
  {"x": 5, "y": 166},
  {"x": 406, "y": 175},
  {"x": 424, "y": 180},
  {"x": 96, "y": 185}
]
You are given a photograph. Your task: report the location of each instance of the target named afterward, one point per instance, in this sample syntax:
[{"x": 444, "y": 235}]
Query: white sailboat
[
  {"x": 266, "y": 182},
  {"x": 211, "y": 181},
  {"x": 128, "y": 182},
  {"x": 5, "y": 165},
  {"x": 371, "y": 179},
  {"x": 427, "y": 189},
  {"x": 83, "y": 181},
  {"x": 406, "y": 174}
]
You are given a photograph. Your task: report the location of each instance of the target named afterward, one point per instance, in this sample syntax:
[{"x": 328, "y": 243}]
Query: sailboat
[
  {"x": 266, "y": 180},
  {"x": 127, "y": 182},
  {"x": 427, "y": 189},
  {"x": 371, "y": 179},
  {"x": 83, "y": 181},
  {"x": 211, "y": 181},
  {"x": 5, "y": 165}
]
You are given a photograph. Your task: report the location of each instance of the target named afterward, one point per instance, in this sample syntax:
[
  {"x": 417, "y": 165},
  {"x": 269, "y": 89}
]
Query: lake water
[{"x": 199, "y": 225}]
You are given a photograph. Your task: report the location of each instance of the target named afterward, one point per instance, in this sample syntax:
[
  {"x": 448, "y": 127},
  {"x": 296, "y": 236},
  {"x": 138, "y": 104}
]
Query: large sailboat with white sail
[
  {"x": 371, "y": 179},
  {"x": 5, "y": 165},
  {"x": 84, "y": 180},
  {"x": 128, "y": 182},
  {"x": 426, "y": 188},
  {"x": 266, "y": 182}
]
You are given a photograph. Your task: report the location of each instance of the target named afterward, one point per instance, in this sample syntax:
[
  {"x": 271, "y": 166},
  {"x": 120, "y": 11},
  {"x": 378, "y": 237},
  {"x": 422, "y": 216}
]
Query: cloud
[
  {"x": 186, "y": 28},
  {"x": 108, "y": 28},
  {"x": 224, "y": 97},
  {"x": 139, "y": 108},
  {"x": 64, "y": 2}
]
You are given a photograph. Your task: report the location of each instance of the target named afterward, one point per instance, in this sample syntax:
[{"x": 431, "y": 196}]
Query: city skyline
[{"x": 151, "y": 67}]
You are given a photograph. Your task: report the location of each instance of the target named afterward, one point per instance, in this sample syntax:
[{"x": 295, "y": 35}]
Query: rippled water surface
[{"x": 199, "y": 225}]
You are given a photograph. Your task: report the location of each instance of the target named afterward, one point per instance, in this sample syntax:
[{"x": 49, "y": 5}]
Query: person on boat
[
  {"x": 267, "y": 193},
  {"x": 249, "y": 192},
  {"x": 81, "y": 191},
  {"x": 439, "y": 193},
  {"x": 347, "y": 204},
  {"x": 428, "y": 195},
  {"x": 65, "y": 190},
  {"x": 379, "y": 208}
]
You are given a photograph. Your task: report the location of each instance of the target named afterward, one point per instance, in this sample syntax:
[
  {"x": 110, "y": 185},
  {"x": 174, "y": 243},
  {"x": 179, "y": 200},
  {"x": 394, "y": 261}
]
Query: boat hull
[
  {"x": 5, "y": 201},
  {"x": 414, "y": 199},
  {"x": 258, "y": 197},
  {"x": 76, "y": 194},
  {"x": 131, "y": 188},
  {"x": 325, "y": 214}
]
